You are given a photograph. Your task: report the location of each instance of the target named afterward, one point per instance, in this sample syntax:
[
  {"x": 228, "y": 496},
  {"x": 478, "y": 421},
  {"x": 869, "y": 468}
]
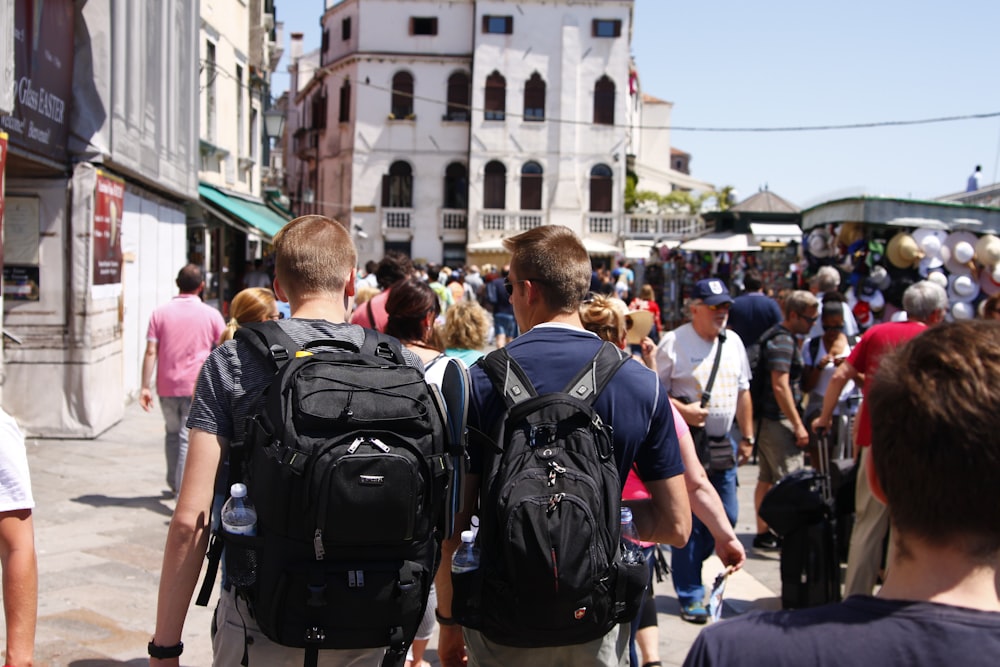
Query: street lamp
[{"x": 274, "y": 122}]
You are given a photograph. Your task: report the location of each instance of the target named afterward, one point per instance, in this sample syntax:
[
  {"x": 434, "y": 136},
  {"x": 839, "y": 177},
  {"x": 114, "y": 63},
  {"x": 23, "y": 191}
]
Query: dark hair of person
[
  {"x": 394, "y": 267},
  {"x": 752, "y": 280},
  {"x": 189, "y": 278},
  {"x": 934, "y": 436},
  {"x": 409, "y": 303}
]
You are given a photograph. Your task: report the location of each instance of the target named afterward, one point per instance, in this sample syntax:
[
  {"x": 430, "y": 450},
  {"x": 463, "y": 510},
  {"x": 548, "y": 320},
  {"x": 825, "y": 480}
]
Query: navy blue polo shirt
[{"x": 634, "y": 402}]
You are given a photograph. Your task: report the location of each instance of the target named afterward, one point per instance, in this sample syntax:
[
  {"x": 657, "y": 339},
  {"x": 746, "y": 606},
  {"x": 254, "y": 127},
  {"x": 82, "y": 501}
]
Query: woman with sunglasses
[{"x": 820, "y": 357}]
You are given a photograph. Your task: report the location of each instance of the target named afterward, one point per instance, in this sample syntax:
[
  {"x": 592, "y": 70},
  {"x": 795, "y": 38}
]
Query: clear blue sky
[{"x": 782, "y": 63}]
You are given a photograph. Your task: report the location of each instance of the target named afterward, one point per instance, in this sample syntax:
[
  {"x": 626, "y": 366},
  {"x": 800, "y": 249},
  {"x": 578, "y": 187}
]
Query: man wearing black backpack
[
  {"x": 549, "y": 276},
  {"x": 315, "y": 273}
]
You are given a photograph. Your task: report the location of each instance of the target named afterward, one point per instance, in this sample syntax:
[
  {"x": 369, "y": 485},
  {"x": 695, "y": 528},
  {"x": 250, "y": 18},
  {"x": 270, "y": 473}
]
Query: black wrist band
[
  {"x": 164, "y": 652},
  {"x": 444, "y": 620}
]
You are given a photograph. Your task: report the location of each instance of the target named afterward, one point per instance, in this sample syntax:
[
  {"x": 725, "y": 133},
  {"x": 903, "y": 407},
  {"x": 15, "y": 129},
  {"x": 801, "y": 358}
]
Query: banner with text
[{"x": 109, "y": 202}]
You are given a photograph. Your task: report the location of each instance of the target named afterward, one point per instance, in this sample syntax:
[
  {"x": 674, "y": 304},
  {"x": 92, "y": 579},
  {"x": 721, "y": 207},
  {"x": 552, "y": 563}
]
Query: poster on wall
[
  {"x": 109, "y": 202},
  {"x": 21, "y": 248}
]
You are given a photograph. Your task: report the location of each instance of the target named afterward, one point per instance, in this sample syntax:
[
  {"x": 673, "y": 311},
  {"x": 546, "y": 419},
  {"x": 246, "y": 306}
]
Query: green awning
[{"x": 254, "y": 213}]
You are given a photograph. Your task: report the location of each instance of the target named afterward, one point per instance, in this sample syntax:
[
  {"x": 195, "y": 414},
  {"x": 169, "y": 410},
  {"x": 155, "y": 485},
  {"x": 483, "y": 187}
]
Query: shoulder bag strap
[{"x": 706, "y": 395}]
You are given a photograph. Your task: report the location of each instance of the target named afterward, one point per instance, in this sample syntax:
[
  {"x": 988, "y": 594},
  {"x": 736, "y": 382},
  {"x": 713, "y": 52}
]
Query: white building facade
[
  {"x": 440, "y": 128},
  {"x": 238, "y": 51}
]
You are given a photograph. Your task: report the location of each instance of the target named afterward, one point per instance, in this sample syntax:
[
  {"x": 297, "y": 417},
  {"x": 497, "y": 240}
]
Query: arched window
[
  {"x": 534, "y": 98},
  {"x": 601, "y": 182},
  {"x": 397, "y": 186},
  {"x": 496, "y": 97},
  {"x": 495, "y": 186},
  {"x": 456, "y": 186},
  {"x": 531, "y": 187},
  {"x": 604, "y": 101},
  {"x": 402, "y": 95},
  {"x": 458, "y": 97}
]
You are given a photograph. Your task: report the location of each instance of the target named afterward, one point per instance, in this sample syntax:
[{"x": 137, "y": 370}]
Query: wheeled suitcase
[{"x": 800, "y": 508}]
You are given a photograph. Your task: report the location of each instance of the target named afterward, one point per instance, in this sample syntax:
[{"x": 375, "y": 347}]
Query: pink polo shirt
[{"x": 185, "y": 330}]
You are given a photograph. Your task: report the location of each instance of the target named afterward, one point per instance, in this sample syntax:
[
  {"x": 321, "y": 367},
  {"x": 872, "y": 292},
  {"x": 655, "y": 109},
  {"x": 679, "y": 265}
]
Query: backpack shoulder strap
[
  {"x": 384, "y": 346},
  {"x": 814, "y": 348},
  {"x": 507, "y": 377},
  {"x": 592, "y": 379},
  {"x": 269, "y": 341}
]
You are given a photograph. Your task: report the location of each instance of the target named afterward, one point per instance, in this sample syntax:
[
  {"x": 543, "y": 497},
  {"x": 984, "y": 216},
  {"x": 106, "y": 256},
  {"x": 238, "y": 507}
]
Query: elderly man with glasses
[
  {"x": 705, "y": 370},
  {"x": 782, "y": 434}
]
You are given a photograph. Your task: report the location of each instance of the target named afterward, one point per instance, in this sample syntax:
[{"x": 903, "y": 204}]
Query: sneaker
[
  {"x": 694, "y": 613},
  {"x": 766, "y": 540}
]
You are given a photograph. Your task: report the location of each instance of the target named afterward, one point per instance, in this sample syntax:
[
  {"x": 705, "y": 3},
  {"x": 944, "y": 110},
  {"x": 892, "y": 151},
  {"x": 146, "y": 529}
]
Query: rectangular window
[
  {"x": 210, "y": 75},
  {"x": 325, "y": 44},
  {"x": 607, "y": 28},
  {"x": 423, "y": 25},
  {"x": 345, "y": 102},
  {"x": 345, "y": 29},
  {"x": 240, "y": 149},
  {"x": 499, "y": 25}
]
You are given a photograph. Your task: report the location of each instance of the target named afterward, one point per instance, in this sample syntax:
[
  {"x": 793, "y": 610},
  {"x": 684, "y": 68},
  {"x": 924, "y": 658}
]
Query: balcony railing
[
  {"x": 397, "y": 218},
  {"x": 510, "y": 221},
  {"x": 452, "y": 218},
  {"x": 601, "y": 223},
  {"x": 651, "y": 226}
]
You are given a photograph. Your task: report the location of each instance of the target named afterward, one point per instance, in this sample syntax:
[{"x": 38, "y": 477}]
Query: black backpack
[
  {"x": 346, "y": 462},
  {"x": 551, "y": 571},
  {"x": 759, "y": 382}
]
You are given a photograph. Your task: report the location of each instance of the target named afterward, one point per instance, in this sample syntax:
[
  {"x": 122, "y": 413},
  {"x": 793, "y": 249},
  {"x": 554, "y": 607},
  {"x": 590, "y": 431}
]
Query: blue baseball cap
[{"x": 711, "y": 292}]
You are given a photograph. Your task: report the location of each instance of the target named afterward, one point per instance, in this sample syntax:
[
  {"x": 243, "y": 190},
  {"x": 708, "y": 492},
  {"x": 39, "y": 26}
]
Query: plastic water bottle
[
  {"x": 238, "y": 514},
  {"x": 631, "y": 548},
  {"x": 466, "y": 558}
]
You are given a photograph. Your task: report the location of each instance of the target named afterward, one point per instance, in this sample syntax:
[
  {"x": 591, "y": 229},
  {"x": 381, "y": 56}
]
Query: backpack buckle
[{"x": 279, "y": 354}]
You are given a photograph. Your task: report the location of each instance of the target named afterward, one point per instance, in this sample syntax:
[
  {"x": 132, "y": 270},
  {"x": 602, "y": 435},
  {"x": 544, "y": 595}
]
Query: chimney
[{"x": 296, "y": 50}]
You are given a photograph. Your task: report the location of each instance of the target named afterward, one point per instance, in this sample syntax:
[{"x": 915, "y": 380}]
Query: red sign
[{"x": 109, "y": 203}]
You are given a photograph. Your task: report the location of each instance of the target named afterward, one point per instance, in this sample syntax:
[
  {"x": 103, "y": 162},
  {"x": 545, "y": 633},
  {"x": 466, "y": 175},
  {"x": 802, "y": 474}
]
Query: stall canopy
[
  {"x": 721, "y": 242},
  {"x": 489, "y": 245},
  {"x": 776, "y": 232},
  {"x": 595, "y": 247},
  {"x": 252, "y": 212}
]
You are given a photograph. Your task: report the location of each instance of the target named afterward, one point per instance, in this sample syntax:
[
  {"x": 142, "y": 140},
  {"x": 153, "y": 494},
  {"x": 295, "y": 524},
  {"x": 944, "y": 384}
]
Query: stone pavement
[{"x": 101, "y": 519}]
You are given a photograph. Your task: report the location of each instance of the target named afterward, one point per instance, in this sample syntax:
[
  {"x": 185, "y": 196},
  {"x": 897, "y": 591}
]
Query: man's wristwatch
[
  {"x": 748, "y": 438},
  {"x": 164, "y": 652}
]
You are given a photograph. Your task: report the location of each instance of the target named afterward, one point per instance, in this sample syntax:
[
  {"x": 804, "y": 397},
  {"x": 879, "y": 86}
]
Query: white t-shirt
[
  {"x": 825, "y": 374},
  {"x": 684, "y": 362},
  {"x": 15, "y": 483}
]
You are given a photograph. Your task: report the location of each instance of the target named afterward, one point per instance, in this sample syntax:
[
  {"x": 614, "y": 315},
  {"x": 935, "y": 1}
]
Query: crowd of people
[{"x": 913, "y": 400}]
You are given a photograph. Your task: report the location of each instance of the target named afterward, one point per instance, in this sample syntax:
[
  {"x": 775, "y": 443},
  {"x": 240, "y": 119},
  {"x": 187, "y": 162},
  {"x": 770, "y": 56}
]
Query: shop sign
[{"x": 43, "y": 77}]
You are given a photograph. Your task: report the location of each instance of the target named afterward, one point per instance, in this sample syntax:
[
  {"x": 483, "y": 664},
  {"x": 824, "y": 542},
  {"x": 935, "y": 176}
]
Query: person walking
[
  {"x": 695, "y": 359},
  {"x": 315, "y": 273},
  {"x": 180, "y": 337},
  {"x": 783, "y": 435},
  {"x": 548, "y": 278}
]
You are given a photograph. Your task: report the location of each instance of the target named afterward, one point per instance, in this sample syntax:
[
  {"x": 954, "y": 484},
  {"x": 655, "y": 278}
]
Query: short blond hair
[
  {"x": 605, "y": 316},
  {"x": 314, "y": 256}
]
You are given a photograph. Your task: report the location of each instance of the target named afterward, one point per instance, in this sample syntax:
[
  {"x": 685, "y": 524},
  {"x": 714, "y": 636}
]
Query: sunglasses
[
  {"x": 725, "y": 305},
  {"x": 509, "y": 286},
  {"x": 836, "y": 327},
  {"x": 810, "y": 320}
]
